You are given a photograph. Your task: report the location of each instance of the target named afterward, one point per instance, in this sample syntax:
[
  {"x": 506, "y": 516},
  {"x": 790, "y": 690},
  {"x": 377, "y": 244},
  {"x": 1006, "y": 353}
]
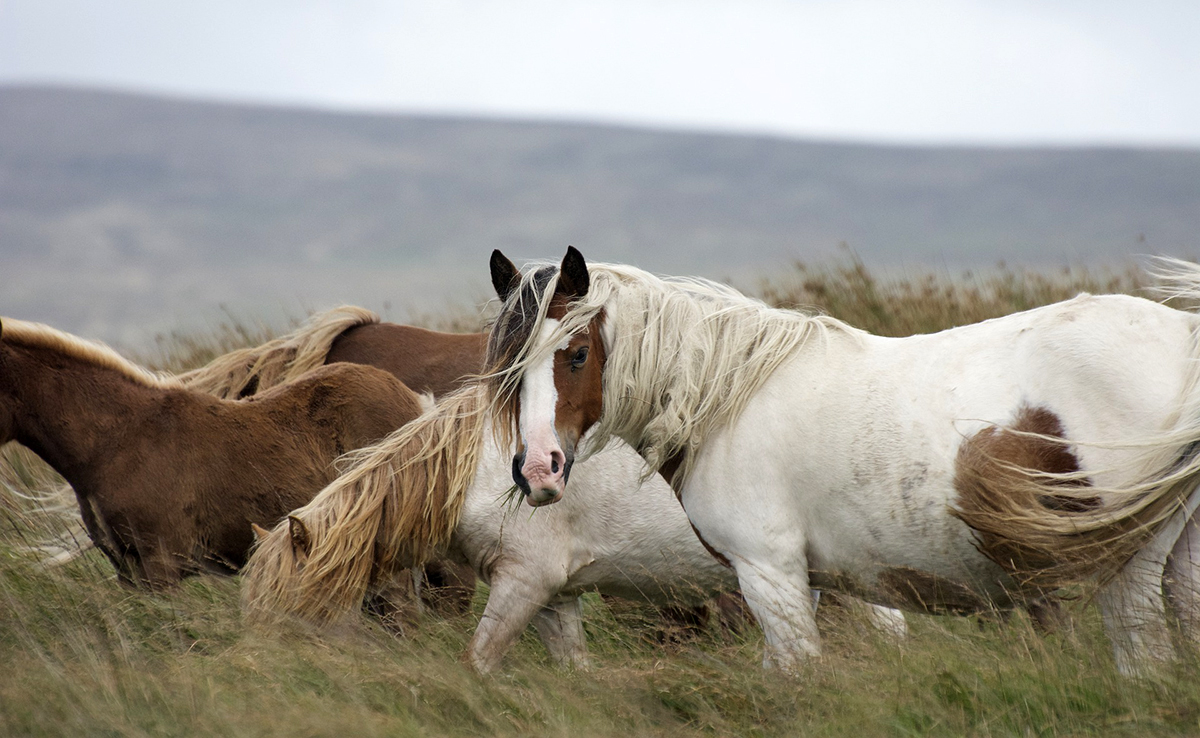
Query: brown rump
[
  {"x": 238, "y": 463},
  {"x": 426, "y": 361}
]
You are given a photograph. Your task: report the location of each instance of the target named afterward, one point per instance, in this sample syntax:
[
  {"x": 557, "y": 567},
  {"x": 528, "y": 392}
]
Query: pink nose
[{"x": 545, "y": 470}]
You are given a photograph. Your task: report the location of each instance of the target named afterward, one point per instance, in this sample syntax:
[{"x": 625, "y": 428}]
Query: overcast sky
[{"x": 992, "y": 71}]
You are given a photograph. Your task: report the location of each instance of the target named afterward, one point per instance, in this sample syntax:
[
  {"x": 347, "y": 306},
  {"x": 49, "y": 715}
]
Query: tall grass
[
  {"x": 901, "y": 305},
  {"x": 79, "y": 654}
]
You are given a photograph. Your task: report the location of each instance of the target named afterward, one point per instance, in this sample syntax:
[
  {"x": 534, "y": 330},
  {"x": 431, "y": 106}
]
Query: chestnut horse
[
  {"x": 427, "y": 362},
  {"x": 169, "y": 480},
  {"x": 976, "y": 467}
]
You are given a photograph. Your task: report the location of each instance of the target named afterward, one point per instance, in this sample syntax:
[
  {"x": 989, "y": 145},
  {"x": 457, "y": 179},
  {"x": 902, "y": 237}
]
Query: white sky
[{"x": 987, "y": 71}]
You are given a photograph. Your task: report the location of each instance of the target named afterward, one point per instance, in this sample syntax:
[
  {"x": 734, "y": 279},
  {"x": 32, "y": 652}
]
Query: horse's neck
[
  {"x": 709, "y": 359},
  {"x": 69, "y": 411}
]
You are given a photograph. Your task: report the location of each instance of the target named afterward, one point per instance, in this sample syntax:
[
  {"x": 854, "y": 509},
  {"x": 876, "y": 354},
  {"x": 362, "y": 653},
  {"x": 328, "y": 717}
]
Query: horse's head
[
  {"x": 270, "y": 577},
  {"x": 551, "y": 382}
]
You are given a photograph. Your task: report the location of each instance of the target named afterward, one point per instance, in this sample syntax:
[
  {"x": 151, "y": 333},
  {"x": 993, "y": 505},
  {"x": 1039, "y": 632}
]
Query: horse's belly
[
  {"x": 682, "y": 573},
  {"x": 891, "y": 523},
  {"x": 934, "y": 575}
]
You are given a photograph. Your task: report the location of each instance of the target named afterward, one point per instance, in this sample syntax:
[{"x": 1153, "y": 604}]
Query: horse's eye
[{"x": 580, "y": 358}]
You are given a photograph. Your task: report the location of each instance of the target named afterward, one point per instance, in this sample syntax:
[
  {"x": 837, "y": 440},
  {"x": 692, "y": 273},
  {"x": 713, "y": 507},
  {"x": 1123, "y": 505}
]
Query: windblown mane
[
  {"x": 280, "y": 360},
  {"x": 39, "y": 336},
  {"x": 395, "y": 506},
  {"x": 684, "y": 354}
]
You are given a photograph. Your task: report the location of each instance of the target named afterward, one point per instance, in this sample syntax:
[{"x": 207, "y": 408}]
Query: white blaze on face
[{"x": 543, "y": 455}]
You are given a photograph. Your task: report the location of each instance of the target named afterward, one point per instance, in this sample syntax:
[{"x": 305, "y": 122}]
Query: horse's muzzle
[{"x": 540, "y": 496}]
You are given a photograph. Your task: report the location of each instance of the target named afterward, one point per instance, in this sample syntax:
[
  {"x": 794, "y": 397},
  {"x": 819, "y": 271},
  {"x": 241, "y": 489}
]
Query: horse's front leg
[
  {"x": 512, "y": 603},
  {"x": 782, "y": 602},
  {"x": 765, "y": 543},
  {"x": 560, "y": 626}
]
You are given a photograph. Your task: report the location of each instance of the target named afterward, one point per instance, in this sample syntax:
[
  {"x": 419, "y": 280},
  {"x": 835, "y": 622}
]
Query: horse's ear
[
  {"x": 505, "y": 277},
  {"x": 260, "y": 533},
  {"x": 573, "y": 279},
  {"x": 301, "y": 541}
]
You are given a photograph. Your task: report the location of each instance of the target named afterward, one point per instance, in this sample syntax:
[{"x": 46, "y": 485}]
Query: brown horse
[
  {"x": 426, "y": 361},
  {"x": 169, "y": 480}
]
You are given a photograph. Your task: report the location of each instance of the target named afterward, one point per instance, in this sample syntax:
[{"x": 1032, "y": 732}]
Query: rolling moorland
[
  {"x": 82, "y": 655},
  {"x": 123, "y": 216}
]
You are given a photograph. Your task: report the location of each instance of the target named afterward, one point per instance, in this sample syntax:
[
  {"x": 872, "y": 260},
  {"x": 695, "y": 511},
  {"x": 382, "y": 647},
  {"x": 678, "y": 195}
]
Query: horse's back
[
  {"x": 1111, "y": 367},
  {"x": 360, "y": 402},
  {"x": 426, "y": 361}
]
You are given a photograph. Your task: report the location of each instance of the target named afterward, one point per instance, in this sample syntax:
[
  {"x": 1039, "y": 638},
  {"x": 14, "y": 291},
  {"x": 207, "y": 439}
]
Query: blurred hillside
[{"x": 123, "y": 215}]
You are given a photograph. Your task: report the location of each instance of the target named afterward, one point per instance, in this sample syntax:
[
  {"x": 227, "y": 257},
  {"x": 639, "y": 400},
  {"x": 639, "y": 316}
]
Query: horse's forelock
[{"x": 509, "y": 343}]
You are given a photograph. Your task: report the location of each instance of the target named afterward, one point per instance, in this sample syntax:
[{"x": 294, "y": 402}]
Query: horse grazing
[
  {"x": 169, "y": 480},
  {"x": 438, "y": 484},
  {"x": 981, "y": 466},
  {"x": 427, "y": 362}
]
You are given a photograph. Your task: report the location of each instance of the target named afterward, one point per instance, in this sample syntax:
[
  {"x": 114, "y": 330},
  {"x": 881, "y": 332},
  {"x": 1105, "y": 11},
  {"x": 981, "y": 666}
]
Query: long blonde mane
[
  {"x": 39, "y": 336},
  {"x": 279, "y": 360},
  {"x": 684, "y": 354},
  {"x": 395, "y": 506}
]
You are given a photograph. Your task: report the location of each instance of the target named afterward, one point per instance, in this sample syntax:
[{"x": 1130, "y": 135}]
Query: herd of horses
[{"x": 712, "y": 445}]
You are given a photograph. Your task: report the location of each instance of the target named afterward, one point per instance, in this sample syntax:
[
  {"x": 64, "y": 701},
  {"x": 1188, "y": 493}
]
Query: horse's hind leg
[
  {"x": 160, "y": 567},
  {"x": 1182, "y": 581},
  {"x": 886, "y": 620},
  {"x": 448, "y": 588},
  {"x": 560, "y": 625},
  {"x": 1133, "y": 607},
  {"x": 511, "y": 604},
  {"x": 396, "y": 602}
]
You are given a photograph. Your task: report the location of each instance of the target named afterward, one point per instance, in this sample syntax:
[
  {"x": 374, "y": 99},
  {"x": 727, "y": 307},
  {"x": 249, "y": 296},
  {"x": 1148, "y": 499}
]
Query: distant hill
[{"x": 122, "y": 215}]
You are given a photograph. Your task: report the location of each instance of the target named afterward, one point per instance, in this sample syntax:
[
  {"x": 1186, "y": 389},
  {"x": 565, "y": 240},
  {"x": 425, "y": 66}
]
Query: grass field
[{"x": 79, "y": 655}]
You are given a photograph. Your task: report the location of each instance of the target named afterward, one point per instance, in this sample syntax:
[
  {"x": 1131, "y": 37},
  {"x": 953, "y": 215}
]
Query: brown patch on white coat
[{"x": 1001, "y": 472}]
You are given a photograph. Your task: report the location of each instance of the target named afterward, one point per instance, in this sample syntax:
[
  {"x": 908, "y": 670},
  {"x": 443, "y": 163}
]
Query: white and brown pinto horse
[{"x": 973, "y": 468}]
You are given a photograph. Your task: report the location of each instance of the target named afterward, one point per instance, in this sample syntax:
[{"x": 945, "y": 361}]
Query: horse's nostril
[{"x": 554, "y": 465}]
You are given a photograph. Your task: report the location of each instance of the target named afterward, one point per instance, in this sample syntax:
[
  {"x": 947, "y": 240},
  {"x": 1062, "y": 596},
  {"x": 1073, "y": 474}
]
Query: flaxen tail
[
  {"x": 395, "y": 506},
  {"x": 247, "y": 371},
  {"x": 1047, "y": 525}
]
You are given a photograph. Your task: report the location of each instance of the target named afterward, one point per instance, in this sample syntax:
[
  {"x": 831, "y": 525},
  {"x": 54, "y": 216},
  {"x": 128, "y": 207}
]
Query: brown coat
[{"x": 169, "y": 480}]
